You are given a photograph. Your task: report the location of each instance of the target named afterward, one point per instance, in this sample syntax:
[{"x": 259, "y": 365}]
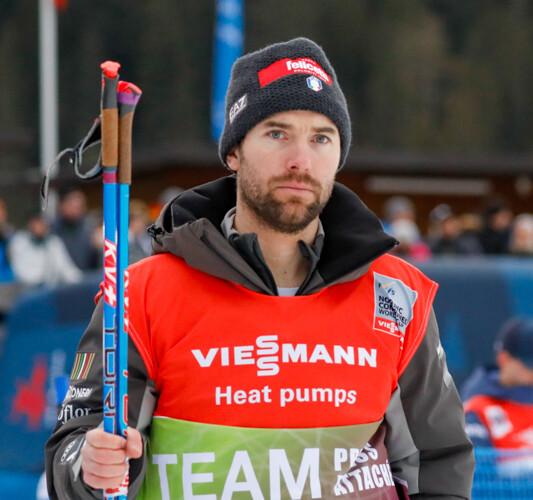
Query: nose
[{"x": 299, "y": 156}]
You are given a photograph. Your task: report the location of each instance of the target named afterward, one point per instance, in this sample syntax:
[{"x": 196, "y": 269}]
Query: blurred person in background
[
  {"x": 446, "y": 236},
  {"x": 97, "y": 240},
  {"x": 521, "y": 239},
  {"x": 75, "y": 228},
  {"x": 400, "y": 222},
  {"x": 497, "y": 219},
  {"x": 470, "y": 223},
  {"x": 397, "y": 208},
  {"x": 498, "y": 399},
  {"x": 39, "y": 257},
  {"x": 6, "y": 232},
  {"x": 140, "y": 242}
]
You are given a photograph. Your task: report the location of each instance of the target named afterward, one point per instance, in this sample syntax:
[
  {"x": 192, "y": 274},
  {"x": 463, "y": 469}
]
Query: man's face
[
  {"x": 74, "y": 206},
  {"x": 38, "y": 227},
  {"x": 512, "y": 371},
  {"x": 286, "y": 168}
]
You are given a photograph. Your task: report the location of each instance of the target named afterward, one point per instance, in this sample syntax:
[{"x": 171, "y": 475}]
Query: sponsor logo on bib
[{"x": 393, "y": 305}]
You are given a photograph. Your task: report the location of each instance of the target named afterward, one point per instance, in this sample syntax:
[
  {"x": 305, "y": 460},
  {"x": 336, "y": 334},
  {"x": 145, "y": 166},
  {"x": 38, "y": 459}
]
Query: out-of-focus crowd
[
  {"x": 51, "y": 251},
  {"x": 61, "y": 250},
  {"x": 493, "y": 230}
]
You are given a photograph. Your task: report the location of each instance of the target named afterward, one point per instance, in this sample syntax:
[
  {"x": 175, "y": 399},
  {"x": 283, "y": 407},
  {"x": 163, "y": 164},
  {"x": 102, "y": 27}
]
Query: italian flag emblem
[{"x": 82, "y": 365}]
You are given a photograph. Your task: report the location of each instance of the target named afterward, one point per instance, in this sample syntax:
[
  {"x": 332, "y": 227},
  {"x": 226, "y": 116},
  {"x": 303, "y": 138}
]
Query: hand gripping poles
[{"x": 117, "y": 107}]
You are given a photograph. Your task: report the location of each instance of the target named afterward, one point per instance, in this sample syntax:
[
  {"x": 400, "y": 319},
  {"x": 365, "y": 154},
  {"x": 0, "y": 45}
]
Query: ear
[
  {"x": 232, "y": 159},
  {"x": 502, "y": 358}
]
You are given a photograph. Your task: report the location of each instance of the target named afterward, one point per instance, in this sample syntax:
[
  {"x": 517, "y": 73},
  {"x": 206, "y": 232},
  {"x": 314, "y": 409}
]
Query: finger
[
  {"x": 103, "y": 456},
  {"x": 134, "y": 446},
  {"x": 108, "y": 471},
  {"x": 98, "y": 482},
  {"x": 98, "y": 438}
]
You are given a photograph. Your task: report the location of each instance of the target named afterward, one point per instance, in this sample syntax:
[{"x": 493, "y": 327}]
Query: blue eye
[
  {"x": 322, "y": 139},
  {"x": 275, "y": 134}
]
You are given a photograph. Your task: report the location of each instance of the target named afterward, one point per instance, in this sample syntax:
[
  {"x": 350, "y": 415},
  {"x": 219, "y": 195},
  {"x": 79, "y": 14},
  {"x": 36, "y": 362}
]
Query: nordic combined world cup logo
[{"x": 393, "y": 305}]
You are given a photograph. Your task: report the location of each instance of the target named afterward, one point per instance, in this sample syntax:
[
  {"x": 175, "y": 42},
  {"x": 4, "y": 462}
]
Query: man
[
  {"x": 400, "y": 222},
  {"x": 496, "y": 229},
  {"x": 499, "y": 399},
  {"x": 276, "y": 350},
  {"x": 40, "y": 258},
  {"x": 447, "y": 236},
  {"x": 74, "y": 226},
  {"x": 140, "y": 242}
]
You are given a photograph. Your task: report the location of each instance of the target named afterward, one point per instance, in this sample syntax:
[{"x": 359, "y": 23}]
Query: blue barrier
[
  {"x": 475, "y": 297},
  {"x": 41, "y": 336},
  {"x": 18, "y": 485},
  {"x": 501, "y": 475}
]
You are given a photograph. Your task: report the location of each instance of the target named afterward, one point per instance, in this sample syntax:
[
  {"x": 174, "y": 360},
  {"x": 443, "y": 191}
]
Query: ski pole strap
[
  {"x": 75, "y": 156},
  {"x": 128, "y": 96}
]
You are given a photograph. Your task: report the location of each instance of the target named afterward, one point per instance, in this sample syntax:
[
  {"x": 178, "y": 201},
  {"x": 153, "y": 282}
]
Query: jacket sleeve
[
  {"x": 82, "y": 410},
  {"x": 426, "y": 439}
]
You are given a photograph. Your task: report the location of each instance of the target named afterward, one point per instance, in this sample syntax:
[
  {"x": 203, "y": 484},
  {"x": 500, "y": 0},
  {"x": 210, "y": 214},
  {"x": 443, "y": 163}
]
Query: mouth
[{"x": 296, "y": 187}]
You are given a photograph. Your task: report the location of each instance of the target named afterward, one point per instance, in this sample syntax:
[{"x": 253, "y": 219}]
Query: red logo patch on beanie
[{"x": 285, "y": 67}]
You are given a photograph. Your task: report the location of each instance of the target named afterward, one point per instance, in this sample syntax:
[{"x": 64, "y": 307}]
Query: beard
[{"x": 289, "y": 216}]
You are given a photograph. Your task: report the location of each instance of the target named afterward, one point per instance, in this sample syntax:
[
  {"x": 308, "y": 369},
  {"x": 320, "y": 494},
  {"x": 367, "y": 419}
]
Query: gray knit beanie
[{"x": 293, "y": 75}]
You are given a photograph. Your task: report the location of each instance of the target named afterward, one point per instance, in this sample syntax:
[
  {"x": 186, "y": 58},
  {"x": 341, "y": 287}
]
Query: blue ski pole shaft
[
  {"x": 109, "y": 110},
  {"x": 119, "y": 100},
  {"x": 128, "y": 96},
  {"x": 110, "y": 158}
]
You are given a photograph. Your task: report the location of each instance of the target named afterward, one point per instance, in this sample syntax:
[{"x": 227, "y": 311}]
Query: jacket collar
[
  {"x": 248, "y": 246},
  {"x": 190, "y": 227}
]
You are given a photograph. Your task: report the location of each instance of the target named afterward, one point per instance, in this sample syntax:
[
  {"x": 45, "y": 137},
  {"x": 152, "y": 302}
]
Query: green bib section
[{"x": 188, "y": 460}]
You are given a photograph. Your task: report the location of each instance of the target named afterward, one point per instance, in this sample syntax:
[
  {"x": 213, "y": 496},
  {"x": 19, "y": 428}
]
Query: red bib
[
  {"x": 222, "y": 354},
  {"x": 510, "y": 424}
]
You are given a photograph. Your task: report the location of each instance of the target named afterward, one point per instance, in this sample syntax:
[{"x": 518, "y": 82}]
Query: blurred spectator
[
  {"x": 400, "y": 223},
  {"x": 496, "y": 228},
  {"x": 398, "y": 208},
  {"x": 446, "y": 235},
  {"x": 140, "y": 242},
  {"x": 97, "y": 242},
  {"x": 40, "y": 258},
  {"x": 498, "y": 399},
  {"x": 521, "y": 240},
  {"x": 6, "y": 231},
  {"x": 470, "y": 223},
  {"x": 74, "y": 226}
]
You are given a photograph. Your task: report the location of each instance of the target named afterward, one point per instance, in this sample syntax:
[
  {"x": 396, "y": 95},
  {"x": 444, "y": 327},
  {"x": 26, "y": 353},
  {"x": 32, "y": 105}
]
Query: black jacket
[{"x": 424, "y": 422}]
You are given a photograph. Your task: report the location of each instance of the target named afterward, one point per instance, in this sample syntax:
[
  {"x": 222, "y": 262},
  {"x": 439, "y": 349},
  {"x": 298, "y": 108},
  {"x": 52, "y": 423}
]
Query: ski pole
[
  {"x": 128, "y": 96},
  {"x": 117, "y": 179},
  {"x": 110, "y": 156},
  {"x": 109, "y": 114}
]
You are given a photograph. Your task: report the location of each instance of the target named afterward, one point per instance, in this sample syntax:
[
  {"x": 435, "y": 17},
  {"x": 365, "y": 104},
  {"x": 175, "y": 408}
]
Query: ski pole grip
[
  {"x": 128, "y": 97},
  {"x": 124, "y": 161},
  {"x": 109, "y": 108}
]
